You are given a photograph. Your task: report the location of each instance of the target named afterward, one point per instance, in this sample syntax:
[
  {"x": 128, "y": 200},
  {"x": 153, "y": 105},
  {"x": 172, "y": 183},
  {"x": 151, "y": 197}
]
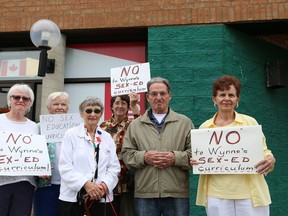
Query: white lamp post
[{"x": 45, "y": 35}]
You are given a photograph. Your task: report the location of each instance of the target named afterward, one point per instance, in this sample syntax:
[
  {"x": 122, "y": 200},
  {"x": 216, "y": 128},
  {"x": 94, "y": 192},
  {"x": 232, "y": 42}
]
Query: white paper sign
[
  {"x": 23, "y": 154},
  {"x": 54, "y": 126},
  {"x": 129, "y": 78},
  {"x": 231, "y": 150}
]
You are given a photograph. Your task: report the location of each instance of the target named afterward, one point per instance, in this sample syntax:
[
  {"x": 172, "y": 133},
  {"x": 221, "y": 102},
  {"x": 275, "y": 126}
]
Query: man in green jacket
[{"x": 157, "y": 146}]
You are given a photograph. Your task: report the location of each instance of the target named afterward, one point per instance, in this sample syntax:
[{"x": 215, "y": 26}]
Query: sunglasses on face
[
  {"x": 96, "y": 111},
  {"x": 18, "y": 98}
]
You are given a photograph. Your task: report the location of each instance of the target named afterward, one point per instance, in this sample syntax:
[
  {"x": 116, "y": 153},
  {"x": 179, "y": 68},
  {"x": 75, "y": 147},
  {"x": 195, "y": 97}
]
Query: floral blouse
[{"x": 117, "y": 131}]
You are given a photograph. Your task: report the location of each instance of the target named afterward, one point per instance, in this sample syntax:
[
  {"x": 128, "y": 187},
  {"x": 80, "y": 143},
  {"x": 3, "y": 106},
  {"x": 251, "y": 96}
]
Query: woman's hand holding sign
[
  {"x": 194, "y": 162},
  {"x": 266, "y": 165}
]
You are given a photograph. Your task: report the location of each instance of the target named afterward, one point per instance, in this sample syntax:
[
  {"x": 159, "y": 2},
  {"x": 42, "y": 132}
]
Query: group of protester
[{"x": 94, "y": 163}]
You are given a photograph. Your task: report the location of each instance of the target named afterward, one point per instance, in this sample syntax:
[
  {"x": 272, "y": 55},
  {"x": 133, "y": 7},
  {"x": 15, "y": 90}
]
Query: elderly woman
[
  {"x": 89, "y": 163},
  {"x": 46, "y": 202},
  {"x": 17, "y": 191},
  {"x": 228, "y": 194},
  {"x": 117, "y": 127}
]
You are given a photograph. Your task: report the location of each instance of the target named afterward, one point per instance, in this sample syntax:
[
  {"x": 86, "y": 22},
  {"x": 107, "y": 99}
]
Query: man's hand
[{"x": 158, "y": 159}]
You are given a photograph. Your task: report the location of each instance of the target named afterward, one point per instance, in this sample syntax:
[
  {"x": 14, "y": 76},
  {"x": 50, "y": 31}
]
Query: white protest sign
[
  {"x": 227, "y": 150},
  {"x": 129, "y": 78},
  {"x": 54, "y": 126},
  {"x": 23, "y": 154}
]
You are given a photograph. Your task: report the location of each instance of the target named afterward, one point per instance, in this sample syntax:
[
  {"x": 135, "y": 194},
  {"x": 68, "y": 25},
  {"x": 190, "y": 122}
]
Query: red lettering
[
  {"x": 233, "y": 133},
  {"x": 2, "y": 159},
  {"x": 234, "y": 160},
  {"x": 28, "y": 159},
  {"x": 35, "y": 159},
  {"x": 26, "y": 139},
  {"x": 202, "y": 160},
  {"x": 12, "y": 137},
  {"x": 219, "y": 160},
  {"x": 214, "y": 136},
  {"x": 123, "y": 85},
  {"x": 135, "y": 70},
  {"x": 138, "y": 83},
  {"x": 9, "y": 159},
  {"x": 125, "y": 71},
  {"x": 245, "y": 159},
  {"x": 210, "y": 160}
]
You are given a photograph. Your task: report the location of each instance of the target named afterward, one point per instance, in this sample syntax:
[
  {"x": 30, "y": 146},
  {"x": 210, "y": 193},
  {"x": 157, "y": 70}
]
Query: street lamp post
[{"x": 45, "y": 35}]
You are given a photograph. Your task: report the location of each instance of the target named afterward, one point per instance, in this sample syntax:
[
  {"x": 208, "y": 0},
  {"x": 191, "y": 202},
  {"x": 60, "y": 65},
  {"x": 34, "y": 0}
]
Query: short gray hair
[
  {"x": 91, "y": 101},
  {"x": 159, "y": 80},
  {"x": 20, "y": 87},
  {"x": 54, "y": 95}
]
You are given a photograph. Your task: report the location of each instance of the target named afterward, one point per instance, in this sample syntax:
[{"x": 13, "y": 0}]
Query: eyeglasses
[
  {"x": 96, "y": 111},
  {"x": 155, "y": 94},
  {"x": 18, "y": 98}
]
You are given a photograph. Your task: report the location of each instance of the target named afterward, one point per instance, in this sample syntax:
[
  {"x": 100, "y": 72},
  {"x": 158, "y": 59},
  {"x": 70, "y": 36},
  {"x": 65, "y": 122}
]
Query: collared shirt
[
  {"x": 237, "y": 186},
  {"x": 158, "y": 125}
]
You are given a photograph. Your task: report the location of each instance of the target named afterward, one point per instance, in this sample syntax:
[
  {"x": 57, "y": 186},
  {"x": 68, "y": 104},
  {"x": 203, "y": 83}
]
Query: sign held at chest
[{"x": 231, "y": 150}]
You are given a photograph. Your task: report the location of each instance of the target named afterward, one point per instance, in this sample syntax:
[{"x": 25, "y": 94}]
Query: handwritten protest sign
[
  {"x": 130, "y": 78},
  {"x": 23, "y": 154},
  {"x": 54, "y": 126},
  {"x": 231, "y": 150}
]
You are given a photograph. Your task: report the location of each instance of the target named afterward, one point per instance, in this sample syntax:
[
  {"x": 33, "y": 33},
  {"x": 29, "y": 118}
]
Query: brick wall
[
  {"x": 192, "y": 57},
  {"x": 86, "y": 14}
]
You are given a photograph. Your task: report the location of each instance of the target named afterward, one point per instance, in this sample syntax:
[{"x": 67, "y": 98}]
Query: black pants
[
  {"x": 74, "y": 209},
  {"x": 16, "y": 199}
]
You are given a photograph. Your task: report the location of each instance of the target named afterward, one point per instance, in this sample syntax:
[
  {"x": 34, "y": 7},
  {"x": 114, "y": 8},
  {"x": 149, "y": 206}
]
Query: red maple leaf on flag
[{"x": 13, "y": 68}]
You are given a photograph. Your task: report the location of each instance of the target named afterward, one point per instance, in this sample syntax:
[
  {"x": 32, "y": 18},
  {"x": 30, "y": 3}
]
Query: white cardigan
[{"x": 77, "y": 163}]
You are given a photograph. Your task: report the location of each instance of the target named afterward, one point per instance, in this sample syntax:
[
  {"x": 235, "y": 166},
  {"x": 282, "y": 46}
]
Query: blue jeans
[{"x": 161, "y": 206}]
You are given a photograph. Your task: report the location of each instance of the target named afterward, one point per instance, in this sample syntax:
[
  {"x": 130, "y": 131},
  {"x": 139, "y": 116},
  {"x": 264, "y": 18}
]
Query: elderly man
[{"x": 157, "y": 146}]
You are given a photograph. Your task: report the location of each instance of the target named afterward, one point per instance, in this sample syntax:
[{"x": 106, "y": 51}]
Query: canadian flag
[{"x": 19, "y": 67}]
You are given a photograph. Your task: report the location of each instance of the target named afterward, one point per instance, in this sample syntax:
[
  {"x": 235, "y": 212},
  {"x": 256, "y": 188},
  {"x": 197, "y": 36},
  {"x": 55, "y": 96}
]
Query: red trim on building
[{"x": 129, "y": 51}]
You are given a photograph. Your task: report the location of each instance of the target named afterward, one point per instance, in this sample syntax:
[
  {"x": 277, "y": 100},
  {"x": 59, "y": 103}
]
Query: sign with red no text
[
  {"x": 129, "y": 78},
  {"x": 23, "y": 154},
  {"x": 231, "y": 150}
]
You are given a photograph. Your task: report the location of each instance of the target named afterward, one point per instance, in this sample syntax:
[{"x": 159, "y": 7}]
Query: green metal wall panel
[{"x": 192, "y": 57}]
